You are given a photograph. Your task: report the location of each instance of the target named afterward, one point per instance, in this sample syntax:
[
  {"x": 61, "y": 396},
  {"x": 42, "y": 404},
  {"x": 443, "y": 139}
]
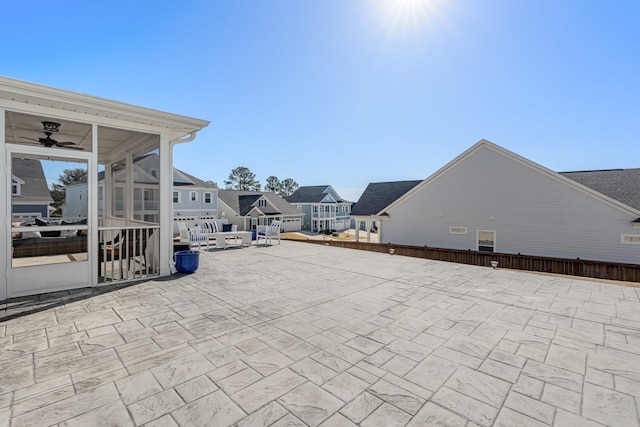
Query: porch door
[{"x": 47, "y": 250}]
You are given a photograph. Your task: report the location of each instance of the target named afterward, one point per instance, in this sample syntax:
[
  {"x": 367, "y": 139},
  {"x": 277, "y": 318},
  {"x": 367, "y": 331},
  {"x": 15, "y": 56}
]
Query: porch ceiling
[{"x": 23, "y": 129}]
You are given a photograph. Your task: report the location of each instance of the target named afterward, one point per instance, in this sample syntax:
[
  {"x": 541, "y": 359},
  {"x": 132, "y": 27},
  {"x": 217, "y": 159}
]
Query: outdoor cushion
[
  {"x": 28, "y": 234},
  {"x": 227, "y": 227}
]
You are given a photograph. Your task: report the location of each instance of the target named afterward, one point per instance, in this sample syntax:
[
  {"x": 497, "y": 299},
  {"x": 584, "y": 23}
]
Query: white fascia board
[
  {"x": 31, "y": 93},
  {"x": 531, "y": 164}
]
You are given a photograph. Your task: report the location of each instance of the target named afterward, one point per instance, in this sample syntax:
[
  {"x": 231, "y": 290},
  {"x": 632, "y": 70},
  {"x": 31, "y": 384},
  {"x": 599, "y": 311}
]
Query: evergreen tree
[
  {"x": 288, "y": 186},
  {"x": 241, "y": 178},
  {"x": 58, "y": 189},
  {"x": 273, "y": 185}
]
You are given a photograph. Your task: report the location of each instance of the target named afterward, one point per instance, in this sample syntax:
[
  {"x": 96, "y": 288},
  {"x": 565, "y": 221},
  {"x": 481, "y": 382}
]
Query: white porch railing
[
  {"x": 324, "y": 215},
  {"x": 127, "y": 252}
]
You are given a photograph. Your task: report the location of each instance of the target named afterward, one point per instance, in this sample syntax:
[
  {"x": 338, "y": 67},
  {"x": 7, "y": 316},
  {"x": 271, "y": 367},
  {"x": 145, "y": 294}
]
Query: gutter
[{"x": 189, "y": 138}]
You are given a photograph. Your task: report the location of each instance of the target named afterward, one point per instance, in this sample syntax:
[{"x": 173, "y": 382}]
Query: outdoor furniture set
[{"x": 223, "y": 233}]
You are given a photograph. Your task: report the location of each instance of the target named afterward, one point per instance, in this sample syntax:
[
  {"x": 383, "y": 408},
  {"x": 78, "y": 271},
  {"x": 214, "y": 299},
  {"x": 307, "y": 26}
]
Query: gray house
[
  {"x": 30, "y": 196},
  {"x": 193, "y": 199},
  {"x": 491, "y": 199},
  {"x": 375, "y": 198},
  {"x": 323, "y": 208},
  {"x": 248, "y": 209}
]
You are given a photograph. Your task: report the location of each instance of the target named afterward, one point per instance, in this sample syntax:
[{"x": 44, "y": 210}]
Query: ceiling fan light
[{"x": 50, "y": 126}]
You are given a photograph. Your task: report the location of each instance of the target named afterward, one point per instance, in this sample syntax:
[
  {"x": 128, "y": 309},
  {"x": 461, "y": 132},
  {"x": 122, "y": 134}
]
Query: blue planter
[{"x": 187, "y": 261}]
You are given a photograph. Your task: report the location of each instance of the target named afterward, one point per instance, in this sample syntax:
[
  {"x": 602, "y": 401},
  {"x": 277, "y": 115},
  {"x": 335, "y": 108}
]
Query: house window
[
  {"x": 630, "y": 239},
  {"x": 193, "y": 196},
  {"x": 207, "y": 197},
  {"x": 176, "y": 197},
  {"x": 458, "y": 230},
  {"x": 262, "y": 203},
  {"x": 154, "y": 172},
  {"x": 486, "y": 241},
  {"x": 16, "y": 187},
  {"x": 315, "y": 208}
]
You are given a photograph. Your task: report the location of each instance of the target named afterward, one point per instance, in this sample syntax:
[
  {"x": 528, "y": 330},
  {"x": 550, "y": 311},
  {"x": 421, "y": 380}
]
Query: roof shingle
[
  {"x": 379, "y": 195},
  {"x": 622, "y": 185}
]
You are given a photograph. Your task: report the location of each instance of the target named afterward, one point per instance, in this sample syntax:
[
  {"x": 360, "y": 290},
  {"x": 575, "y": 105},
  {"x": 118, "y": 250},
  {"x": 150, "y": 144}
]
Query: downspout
[{"x": 190, "y": 138}]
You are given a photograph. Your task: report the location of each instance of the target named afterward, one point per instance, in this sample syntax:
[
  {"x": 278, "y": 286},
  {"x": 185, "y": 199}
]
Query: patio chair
[
  {"x": 193, "y": 235},
  {"x": 269, "y": 232}
]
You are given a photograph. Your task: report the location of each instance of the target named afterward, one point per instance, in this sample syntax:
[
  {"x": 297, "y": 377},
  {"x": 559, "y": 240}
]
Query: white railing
[
  {"x": 127, "y": 252},
  {"x": 323, "y": 215},
  {"x": 146, "y": 205}
]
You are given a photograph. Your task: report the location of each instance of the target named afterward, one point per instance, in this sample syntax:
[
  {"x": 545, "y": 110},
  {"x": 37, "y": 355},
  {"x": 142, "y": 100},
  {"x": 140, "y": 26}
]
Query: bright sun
[{"x": 409, "y": 17}]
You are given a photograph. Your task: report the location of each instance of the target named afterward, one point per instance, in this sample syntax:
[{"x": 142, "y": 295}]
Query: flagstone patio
[{"x": 307, "y": 335}]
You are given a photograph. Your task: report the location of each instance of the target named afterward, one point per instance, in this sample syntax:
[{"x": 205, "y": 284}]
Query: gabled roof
[
  {"x": 620, "y": 184},
  {"x": 245, "y": 203},
  {"x": 310, "y": 194},
  {"x": 242, "y": 202},
  {"x": 195, "y": 182},
  {"x": 483, "y": 143},
  {"x": 35, "y": 188},
  {"x": 378, "y": 195}
]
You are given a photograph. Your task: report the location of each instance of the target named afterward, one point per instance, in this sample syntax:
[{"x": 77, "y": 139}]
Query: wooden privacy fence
[{"x": 572, "y": 267}]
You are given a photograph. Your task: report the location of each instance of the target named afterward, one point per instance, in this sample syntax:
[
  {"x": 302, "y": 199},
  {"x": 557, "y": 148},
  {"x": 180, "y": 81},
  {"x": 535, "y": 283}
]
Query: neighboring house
[
  {"x": 30, "y": 196},
  {"x": 490, "y": 199},
  {"x": 192, "y": 198},
  {"x": 323, "y": 208},
  {"x": 376, "y": 197},
  {"x": 248, "y": 209}
]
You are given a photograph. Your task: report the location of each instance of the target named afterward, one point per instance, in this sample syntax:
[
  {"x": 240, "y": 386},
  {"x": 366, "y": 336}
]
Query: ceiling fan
[{"x": 49, "y": 129}]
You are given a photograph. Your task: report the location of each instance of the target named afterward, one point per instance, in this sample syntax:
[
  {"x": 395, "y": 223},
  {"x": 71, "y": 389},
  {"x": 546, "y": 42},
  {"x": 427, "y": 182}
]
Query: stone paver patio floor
[{"x": 307, "y": 335}]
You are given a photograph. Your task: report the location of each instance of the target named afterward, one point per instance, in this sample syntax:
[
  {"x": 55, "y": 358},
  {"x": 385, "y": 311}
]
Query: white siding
[{"x": 532, "y": 213}]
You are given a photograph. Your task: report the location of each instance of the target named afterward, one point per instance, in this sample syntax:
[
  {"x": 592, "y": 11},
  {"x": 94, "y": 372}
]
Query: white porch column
[
  {"x": 129, "y": 199},
  {"x": 357, "y": 230},
  {"x": 368, "y": 225},
  {"x": 92, "y": 214},
  {"x": 108, "y": 194},
  {"x": 166, "y": 209},
  {"x": 5, "y": 236}
]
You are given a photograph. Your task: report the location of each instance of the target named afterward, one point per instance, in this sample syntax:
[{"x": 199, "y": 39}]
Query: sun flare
[{"x": 409, "y": 17}]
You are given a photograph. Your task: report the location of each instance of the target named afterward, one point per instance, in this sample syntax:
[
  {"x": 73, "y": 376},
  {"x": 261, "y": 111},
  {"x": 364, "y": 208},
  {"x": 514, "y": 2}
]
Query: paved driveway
[{"x": 306, "y": 335}]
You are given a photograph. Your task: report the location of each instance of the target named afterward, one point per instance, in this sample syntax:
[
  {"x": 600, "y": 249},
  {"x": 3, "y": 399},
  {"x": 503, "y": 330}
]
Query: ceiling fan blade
[
  {"x": 31, "y": 139},
  {"x": 73, "y": 148},
  {"x": 65, "y": 143}
]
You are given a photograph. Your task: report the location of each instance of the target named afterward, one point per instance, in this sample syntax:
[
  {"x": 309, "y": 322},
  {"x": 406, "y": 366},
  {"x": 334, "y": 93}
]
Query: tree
[
  {"x": 58, "y": 189},
  {"x": 241, "y": 178},
  {"x": 215, "y": 184},
  {"x": 273, "y": 184},
  {"x": 288, "y": 186}
]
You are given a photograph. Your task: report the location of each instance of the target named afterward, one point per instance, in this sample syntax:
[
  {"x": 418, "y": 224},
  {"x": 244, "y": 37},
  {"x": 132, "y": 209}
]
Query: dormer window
[
  {"x": 16, "y": 186},
  {"x": 262, "y": 203}
]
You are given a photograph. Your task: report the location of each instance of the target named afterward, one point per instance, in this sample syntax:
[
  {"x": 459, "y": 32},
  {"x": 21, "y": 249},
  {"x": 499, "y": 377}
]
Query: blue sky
[{"x": 347, "y": 92}]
